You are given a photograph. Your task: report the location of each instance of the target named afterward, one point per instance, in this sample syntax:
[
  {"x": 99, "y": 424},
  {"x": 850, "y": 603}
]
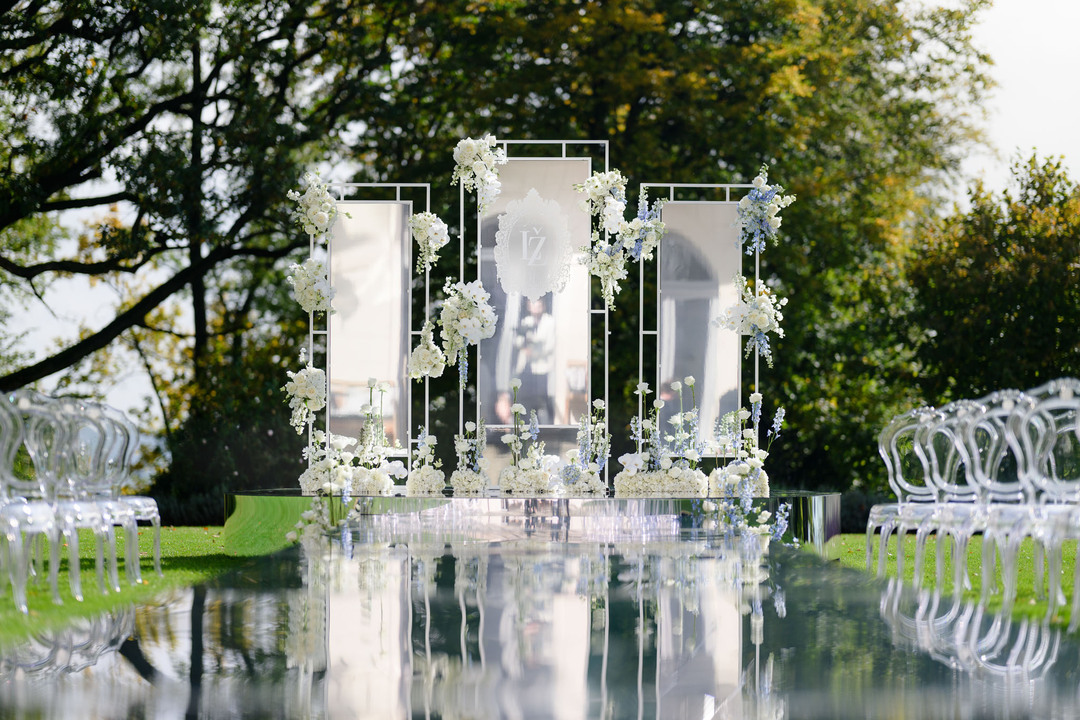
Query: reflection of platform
[{"x": 260, "y": 519}]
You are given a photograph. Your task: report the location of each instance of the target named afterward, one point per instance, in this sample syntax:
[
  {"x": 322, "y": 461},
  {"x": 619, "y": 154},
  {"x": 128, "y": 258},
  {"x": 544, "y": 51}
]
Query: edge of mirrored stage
[{"x": 256, "y": 522}]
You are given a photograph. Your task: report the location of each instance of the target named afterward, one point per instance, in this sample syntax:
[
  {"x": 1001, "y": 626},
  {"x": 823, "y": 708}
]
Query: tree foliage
[
  {"x": 195, "y": 117},
  {"x": 998, "y": 288}
]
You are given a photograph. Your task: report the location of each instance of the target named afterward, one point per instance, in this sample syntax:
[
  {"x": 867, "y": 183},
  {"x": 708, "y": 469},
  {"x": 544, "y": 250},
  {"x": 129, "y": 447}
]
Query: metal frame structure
[
  {"x": 341, "y": 190},
  {"x": 726, "y": 189},
  {"x": 563, "y": 146}
]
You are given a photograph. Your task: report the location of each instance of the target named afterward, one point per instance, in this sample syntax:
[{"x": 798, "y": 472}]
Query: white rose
[
  {"x": 689, "y": 381},
  {"x": 658, "y": 404},
  {"x": 676, "y": 386},
  {"x": 598, "y": 404},
  {"x": 470, "y": 426},
  {"x": 755, "y": 397},
  {"x": 515, "y": 384}
]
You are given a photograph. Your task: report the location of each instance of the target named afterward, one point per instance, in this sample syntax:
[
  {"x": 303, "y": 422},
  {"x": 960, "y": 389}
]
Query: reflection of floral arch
[{"x": 533, "y": 264}]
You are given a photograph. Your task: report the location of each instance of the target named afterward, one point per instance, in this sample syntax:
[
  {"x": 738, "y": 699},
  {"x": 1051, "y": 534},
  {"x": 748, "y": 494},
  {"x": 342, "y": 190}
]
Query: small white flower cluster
[
  {"x": 425, "y": 478},
  {"x": 530, "y": 473},
  {"x": 431, "y": 235},
  {"x": 673, "y": 481},
  {"x": 744, "y": 476},
  {"x": 476, "y": 168},
  {"x": 306, "y": 391},
  {"x": 759, "y": 212},
  {"x": 315, "y": 208},
  {"x": 585, "y": 463},
  {"x": 605, "y": 195},
  {"x": 311, "y": 286},
  {"x": 470, "y": 477},
  {"x": 466, "y": 318},
  {"x": 756, "y": 314},
  {"x": 330, "y": 464},
  {"x": 665, "y": 463},
  {"x": 377, "y": 480},
  {"x": 427, "y": 358}
]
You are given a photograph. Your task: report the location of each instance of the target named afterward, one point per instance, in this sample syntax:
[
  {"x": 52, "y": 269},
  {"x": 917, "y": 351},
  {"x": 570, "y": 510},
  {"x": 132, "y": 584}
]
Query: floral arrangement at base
[
  {"x": 425, "y": 478},
  {"x": 427, "y": 358},
  {"x": 431, "y": 235},
  {"x": 756, "y": 314},
  {"x": 605, "y": 198},
  {"x": 305, "y": 392},
  {"x": 744, "y": 476},
  {"x": 582, "y": 475},
  {"x": 529, "y": 471},
  {"x": 466, "y": 318},
  {"x": 476, "y": 168},
  {"x": 759, "y": 212},
  {"x": 665, "y": 464},
  {"x": 470, "y": 477},
  {"x": 330, "y": 464},
  {"x": 374, "y": 473}
]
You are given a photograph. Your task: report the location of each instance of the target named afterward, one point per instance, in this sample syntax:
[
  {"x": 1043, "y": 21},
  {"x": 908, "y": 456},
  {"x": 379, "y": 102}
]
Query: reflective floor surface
[{"x": 403, "y": 616}]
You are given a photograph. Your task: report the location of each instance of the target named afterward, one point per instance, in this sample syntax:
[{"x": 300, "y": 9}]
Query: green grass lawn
[
  {"x": 851, "y": 550},
  {"x": 189, "y": 555}
]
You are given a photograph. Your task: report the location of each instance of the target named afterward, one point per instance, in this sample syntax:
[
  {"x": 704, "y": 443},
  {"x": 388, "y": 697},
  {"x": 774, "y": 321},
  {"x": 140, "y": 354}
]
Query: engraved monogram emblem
[{"x": 532, "y": 247}]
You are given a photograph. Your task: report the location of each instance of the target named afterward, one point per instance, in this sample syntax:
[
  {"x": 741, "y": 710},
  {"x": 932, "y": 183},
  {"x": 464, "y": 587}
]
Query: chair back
[{"x": 907, "y": 467}]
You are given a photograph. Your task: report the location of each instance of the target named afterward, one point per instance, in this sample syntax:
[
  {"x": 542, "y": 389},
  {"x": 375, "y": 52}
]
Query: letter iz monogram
[{"x": 533, "y": 243}]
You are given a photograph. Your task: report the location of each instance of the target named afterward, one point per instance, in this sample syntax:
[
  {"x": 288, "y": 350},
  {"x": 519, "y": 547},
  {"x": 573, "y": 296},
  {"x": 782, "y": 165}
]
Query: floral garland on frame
[
  {"x": 759, "y": 212},
  {"x": 756, "y": 314},
  {"x": 607, "y": 255},
  {"x": 305, "y": 392},
  {"x": 466, "y": 318},
  {"x": 431, "y": 235},
  {"x": 476, "y": 168}
]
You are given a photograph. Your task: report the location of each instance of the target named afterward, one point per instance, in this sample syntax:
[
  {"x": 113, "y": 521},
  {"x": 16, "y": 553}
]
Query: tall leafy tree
[
  {"x": 998, "y": 287},
  {"x": 861, "y": 108}
]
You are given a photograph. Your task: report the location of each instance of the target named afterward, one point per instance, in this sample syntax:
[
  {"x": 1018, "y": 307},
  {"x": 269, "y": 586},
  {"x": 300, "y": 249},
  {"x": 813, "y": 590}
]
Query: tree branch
[{"x": 134, "y": 315}]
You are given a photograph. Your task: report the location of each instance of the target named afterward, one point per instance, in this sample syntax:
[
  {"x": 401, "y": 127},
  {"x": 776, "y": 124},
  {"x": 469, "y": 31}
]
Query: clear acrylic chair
[
  {"x": 102, "y": 483},
  {"x": 119, "y": 470},
  {"x": 1048, "y": 434},
  {"x": 908, "y": 472},
  {"x": 27, "y": 513},
  {"x": 956, "y": 516}
]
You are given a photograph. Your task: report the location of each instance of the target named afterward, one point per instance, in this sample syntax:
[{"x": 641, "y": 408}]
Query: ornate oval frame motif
[{"x": 532, "y": 247}]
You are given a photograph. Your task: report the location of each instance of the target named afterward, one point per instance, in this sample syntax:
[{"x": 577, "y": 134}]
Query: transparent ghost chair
[
  {"x": 1049, "y": 434},
  {"x": 27, "y": 512},
  {"x": 937, "y": 440},
  {"x": 11, "y": 438},
  {"x": 104, "y": 482},
  {"x": 76, "y": 508},
  {"x": 119, "y": 471},
  {"x": 908, "y": 475}
]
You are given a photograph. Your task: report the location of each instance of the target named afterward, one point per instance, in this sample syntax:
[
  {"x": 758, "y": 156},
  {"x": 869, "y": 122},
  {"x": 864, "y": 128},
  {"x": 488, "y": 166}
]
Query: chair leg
[{"x": 157, "y": 545}]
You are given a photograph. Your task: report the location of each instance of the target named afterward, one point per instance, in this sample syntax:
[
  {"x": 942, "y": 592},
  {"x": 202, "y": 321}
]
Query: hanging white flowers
[
  {"x": 427, "y": 358},
  {"x": 476, "y": 168},
  {"x": 431, "y": 235},
  {"x": 759, "y": 212},
  {"x": 306, "y": 393},
  {"x": 311, "y": 286},
  {"x": 466, "y": 318},
  {"x": 315, "y": 208},
  {"x": 607, "y": 254},
  {"x": 756, "y": 314}
]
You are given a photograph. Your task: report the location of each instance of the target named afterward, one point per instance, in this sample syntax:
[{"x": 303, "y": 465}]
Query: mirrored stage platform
[{"x": 541, "y": 608}]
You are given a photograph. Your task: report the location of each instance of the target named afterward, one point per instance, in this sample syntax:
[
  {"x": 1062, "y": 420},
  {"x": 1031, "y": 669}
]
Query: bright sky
[
  {"x": 1036, "y": 105},
  {"x": 1037, "y": 101}
]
